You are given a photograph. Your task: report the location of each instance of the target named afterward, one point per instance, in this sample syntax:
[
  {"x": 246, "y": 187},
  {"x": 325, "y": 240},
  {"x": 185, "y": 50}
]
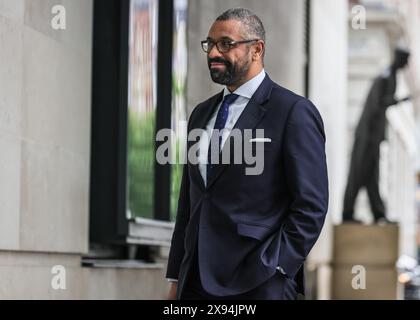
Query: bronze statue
[{"x": 370, "y": 132}]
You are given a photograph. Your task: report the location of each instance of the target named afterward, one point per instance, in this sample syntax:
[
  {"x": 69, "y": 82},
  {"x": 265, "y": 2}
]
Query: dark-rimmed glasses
[{"x": 223, "y": 45}]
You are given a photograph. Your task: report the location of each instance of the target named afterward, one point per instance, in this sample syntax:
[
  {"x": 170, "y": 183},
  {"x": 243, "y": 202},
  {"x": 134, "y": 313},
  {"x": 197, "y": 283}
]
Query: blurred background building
[{"x": 80, "y": 106}]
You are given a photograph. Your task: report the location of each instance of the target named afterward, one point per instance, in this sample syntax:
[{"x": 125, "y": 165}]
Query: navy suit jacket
[{"x": 247, "y": 225}]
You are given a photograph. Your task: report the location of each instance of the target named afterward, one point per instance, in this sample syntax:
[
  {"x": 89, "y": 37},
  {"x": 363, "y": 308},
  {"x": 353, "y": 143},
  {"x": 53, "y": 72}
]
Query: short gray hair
[{"x": 253, "y": 25}]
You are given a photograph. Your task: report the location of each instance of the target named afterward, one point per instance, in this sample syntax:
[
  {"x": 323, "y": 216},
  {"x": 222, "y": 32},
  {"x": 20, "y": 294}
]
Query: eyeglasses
[{"x": 223, "y": 46}]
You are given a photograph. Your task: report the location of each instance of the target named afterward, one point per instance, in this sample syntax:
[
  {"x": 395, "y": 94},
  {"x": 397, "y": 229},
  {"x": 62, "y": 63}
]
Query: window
[
  {"x": 142, "y": 95},
  {"x": 138, "y": 88},
  {"x": 142, "y": 100},
  {"x": 179, "y": 105}
]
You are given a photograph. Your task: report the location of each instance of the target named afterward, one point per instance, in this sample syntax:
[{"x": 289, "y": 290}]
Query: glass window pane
[
  {"x": 142, "y": 107},
  {"x": 179, "y": 108}
]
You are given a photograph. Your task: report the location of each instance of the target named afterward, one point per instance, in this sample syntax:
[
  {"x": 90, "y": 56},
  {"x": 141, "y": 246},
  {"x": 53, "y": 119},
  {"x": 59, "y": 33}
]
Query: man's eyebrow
[{"x": 222, "y": 38}]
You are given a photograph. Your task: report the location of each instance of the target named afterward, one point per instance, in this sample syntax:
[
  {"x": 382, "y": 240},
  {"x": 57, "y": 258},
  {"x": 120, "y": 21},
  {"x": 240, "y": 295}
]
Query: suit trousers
[{"x": 278, "y": 287}]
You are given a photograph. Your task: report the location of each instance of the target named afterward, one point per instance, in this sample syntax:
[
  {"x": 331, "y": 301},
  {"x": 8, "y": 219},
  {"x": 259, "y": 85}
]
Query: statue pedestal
[{"x": 364, "y": 258}]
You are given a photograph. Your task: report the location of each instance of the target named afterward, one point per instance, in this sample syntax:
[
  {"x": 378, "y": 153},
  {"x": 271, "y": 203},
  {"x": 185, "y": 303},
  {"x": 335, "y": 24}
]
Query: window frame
[{"x": 109, "y": 223}]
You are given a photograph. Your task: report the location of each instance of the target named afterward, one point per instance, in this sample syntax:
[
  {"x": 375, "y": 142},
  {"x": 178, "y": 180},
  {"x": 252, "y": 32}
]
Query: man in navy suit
[{"x": 240, "y": 235}]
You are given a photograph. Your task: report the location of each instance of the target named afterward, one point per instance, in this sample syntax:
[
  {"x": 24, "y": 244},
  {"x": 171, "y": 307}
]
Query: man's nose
[{"x": 214, "y": 53}]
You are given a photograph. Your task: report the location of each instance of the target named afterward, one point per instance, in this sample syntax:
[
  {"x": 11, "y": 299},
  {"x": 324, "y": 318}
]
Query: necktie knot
[{"x": 230, "y": 98}]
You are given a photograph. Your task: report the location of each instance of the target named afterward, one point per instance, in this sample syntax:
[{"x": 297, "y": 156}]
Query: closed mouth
[{"x": 217, "y": 65}]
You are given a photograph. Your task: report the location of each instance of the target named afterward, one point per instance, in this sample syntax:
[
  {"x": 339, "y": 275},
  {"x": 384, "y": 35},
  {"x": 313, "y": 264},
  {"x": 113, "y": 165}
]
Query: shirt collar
[{"x": 248, "y": 89}]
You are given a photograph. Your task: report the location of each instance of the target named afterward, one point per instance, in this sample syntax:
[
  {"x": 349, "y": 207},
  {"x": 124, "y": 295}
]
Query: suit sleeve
[
  {"x": 177, "y": 251},
  {"x": 307, "y": 181}
]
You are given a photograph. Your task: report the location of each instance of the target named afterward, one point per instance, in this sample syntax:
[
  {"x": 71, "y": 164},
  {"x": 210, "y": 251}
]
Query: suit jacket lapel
[
  {"x": 201, "y": 123},
  {"x": 250, "y": 117}
]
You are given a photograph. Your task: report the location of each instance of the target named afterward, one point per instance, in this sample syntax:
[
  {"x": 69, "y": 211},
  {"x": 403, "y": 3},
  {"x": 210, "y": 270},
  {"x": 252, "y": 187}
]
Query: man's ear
[{"x": 259, "y": 49}]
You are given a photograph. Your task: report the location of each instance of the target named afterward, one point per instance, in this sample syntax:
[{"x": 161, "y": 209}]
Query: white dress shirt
[{"x": 245, "y": 92}]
